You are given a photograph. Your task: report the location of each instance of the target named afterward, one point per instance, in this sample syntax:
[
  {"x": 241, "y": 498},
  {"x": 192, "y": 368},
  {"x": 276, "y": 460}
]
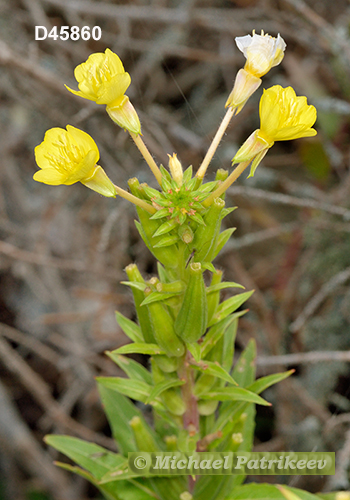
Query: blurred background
[{"x": 63, "y": 249}]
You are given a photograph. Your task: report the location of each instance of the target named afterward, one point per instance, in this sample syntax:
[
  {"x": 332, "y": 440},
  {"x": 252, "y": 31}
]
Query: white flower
[{"x": 262, "y": 52}]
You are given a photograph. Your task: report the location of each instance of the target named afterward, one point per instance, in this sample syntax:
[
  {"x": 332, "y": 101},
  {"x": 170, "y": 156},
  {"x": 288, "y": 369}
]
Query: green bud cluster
[{"x": 198, "y": 402}]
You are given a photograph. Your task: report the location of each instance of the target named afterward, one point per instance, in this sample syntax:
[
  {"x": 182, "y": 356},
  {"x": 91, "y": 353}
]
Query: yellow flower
[
  {"x": 69, "y": 156},
  {"x": 283, "y": 117},
  {"x": 102, "y": 79},
  {"x": 262, "y": 52}
]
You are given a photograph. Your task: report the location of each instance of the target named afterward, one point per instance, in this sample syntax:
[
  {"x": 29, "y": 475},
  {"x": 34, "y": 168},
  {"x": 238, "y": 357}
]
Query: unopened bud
[
  {"x": 206, "y": 408},
  {"x": 142, "y": 434},
  {"x": 192, "y": 319},
  {"x": 171, "y": 443},
  {"x": 186, "y": 495},
  {"x": 186, "y": 234},
  {"x": 176, "y": 169},
  {"x": 237, "y": 438},
  {"x": 163, "y": 329}
]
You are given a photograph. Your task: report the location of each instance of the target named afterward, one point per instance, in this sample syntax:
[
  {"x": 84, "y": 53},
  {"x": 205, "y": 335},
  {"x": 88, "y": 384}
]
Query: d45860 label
[{"x": 68, "y": 33}]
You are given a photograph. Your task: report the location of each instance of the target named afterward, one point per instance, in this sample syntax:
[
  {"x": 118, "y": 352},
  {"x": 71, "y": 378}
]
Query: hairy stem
[
  {"x": 147, "y": 156},
  {"x": 191, "y": 415},
  {"x": 136, "y": 201},
  {"x": 215, "y": 142},
  {"x": 226, "y": 184}
]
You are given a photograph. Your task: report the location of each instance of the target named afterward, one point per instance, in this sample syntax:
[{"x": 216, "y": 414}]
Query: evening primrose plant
[{"x": 199, "y": 400}]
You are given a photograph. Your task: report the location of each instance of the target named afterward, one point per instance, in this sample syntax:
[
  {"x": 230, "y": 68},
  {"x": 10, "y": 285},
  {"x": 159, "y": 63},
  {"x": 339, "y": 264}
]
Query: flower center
[{"x": 65, "y": 155}]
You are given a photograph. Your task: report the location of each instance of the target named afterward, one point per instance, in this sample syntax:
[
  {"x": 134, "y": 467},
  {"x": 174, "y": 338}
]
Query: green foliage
[{"x": 189, "y": 333}]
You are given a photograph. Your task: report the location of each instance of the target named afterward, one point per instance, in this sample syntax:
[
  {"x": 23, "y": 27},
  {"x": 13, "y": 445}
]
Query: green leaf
[
  {"x": 244, "y": 370},
  {"x": 263, "y": 491},
  {"x": 216, "y": 332},
  {"x": 163, "y": 275},
  {"x": 263, "y": 383},
  {"x": 228, "y": 348},
  {"x": 198, "y": 218},
  {"x": 208, "y": 186},
  {"x": 158, "y": 297},
  {"x": 92, "y": 457},
  {"x": 166, "y": 227},
  {"x": 163, "y": 386},
  {"x": 223, "y": 239},
  {"x": 163, "y": 212},
  {"x": 139, "y": 348},
  {"x": 134, "y": 389},
  {"x": 234, "y": 394},
  {"x": 229, "y": 306},
  {"x": 167, "y": 241},
  {"x": 208, "y": 266},
  {"x": 222, "y": 286},
  {"x": 195, "y": 350},
  {"x": 135, "y": 284},
  {"x": 152, "y": 193},
  {"x": 119, "y": 411},
  {"x": 227, "y": 211},
  {"x": 108, "y": 492},
  {"x": 187, "y": 175},
  {"x": 131, "y": 329},
  {"x": 213, "y": 368},
  {"x": 165, "y": 173},
  {"x": 133, "y": 369}
]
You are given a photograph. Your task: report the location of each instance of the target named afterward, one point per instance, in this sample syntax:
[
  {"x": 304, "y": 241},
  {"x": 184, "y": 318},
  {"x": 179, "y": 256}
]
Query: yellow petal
[
  {"x": 114, "y": 89},
  {"x": 49, "y": 176},
  {"x": 84, "y": 140},
  {"x": 83, "y": 170},
  {"x": 115, "y": 64},
  {"x": 80, "y": 93}
]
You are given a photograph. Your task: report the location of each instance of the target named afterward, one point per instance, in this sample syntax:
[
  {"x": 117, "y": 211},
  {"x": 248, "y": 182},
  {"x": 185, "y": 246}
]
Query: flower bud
[
  {"x": 143, "y": 437},
  {"x": 167, "y": 364},
  {"x": 171, "y": 443},
  {"x": 173, "y": 401},
  {"x": 206, "y": 408},
  {"x": 191, "y": 322},
  {"x": 185, "y": 233},
  {"x": 163, "y": 329},
  {"x": 141, "y": 311},
  {"x": 176, "y": 169},
  {"x": 186, "y": 495}
]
